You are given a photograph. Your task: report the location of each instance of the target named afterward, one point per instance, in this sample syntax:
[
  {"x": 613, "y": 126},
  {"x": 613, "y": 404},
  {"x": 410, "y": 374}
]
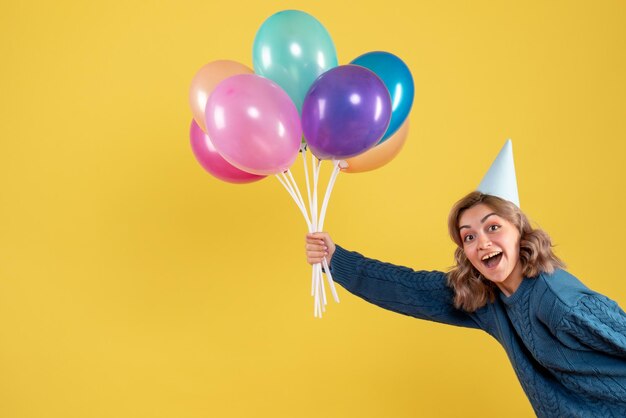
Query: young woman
[{"x": 566, "y": 342}]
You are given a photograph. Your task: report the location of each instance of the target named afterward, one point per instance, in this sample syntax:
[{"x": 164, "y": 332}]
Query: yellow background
[{"x": 133, "y": 284}]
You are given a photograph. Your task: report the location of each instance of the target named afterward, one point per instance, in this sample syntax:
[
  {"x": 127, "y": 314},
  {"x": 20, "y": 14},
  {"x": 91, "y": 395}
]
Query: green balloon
[{"x": 292, "y": 48}]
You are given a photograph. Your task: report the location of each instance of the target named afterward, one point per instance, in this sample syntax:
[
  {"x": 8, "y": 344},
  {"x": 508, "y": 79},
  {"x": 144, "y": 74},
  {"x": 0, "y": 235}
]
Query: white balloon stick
[
  {"x": 318, "y": 278},
  {"x": 313, "y": 220},
  {"x": 329, "y": 189},
  {"x": 316, "y": 302},
  {"x": 315, "y": 165},
  {"x": 289, "y": 187},
  {"x": 286, "y": 188},
  {"x": 292, "y": 186},
  {"x": 306, "y": 176},
  {"x": 314, "y": 223},
  {"x": 316, "y": 169},
  {"x": 322, "y": 287},
  {"x": 297, "y": 189},
  {"x": 313, "y": 275},
  {"x": 331, "y": 282}
]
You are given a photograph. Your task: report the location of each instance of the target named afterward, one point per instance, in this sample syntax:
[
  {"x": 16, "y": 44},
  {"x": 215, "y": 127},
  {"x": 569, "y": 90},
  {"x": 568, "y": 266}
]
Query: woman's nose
[{"x": 484, "y": 241}]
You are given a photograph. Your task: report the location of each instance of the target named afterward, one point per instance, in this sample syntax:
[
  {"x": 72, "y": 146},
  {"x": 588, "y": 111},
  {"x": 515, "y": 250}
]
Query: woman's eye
[
  {"x": 494, "y": 227},
  {"x": 468, "y": 238}
]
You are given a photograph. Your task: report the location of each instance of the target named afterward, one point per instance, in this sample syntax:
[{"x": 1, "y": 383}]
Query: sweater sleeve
[
  {"x": 597, "y": 323},
  {"x": 421, "y": 294}
]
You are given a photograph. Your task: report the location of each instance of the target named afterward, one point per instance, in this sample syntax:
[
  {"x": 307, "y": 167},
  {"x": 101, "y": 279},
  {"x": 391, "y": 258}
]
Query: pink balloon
[
  {"x": 213, "y": 162},
  {"x": 253, "y": 124}
]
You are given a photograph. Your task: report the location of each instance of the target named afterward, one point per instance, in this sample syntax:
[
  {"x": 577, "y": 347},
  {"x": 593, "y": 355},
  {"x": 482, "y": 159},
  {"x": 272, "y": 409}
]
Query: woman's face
[{"x": 491, "y": 244}]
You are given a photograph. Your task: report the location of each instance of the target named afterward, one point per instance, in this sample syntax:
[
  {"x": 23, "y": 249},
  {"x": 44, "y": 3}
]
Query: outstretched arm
[{"x": 421, "y": 294}]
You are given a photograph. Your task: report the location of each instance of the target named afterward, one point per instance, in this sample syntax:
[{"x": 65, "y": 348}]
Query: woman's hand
[{"x": 319, "y": 245}]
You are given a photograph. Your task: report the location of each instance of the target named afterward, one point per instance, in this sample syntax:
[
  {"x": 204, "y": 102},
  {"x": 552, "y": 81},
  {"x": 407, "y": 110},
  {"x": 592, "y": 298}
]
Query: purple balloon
[
  {"x": 345, "y": 112},
  {"x": 213, "y": 162}
]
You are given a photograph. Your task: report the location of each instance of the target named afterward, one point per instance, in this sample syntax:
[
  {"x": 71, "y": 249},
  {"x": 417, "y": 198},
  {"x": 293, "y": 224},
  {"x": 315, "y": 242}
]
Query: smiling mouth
[{"x": 492, "y": 259}]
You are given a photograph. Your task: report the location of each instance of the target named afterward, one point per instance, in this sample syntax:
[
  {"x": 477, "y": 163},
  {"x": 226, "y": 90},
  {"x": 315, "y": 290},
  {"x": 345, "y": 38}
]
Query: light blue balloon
[
  {"x": 398, "y": 80},
  {"x": 292, "y": 48}
]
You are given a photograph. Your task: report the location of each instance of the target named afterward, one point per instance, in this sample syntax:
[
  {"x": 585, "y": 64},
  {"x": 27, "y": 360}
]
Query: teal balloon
[
  {"x": 292, "y": 48},
  {"x": 398, "y": 80}
]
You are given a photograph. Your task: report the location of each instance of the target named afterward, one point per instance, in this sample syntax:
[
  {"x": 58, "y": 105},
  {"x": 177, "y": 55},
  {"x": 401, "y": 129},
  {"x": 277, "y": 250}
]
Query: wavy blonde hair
[{"x": 471, "y": 290}]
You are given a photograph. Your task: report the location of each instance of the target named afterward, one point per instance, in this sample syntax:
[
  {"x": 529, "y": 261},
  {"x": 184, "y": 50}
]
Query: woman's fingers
[
  {"x": 318, "y": 251},
  {"x": 314, "y": 258},
  {"x": 315, "y": 253},
  {"x": 318, "y": 235},
  {"x": 317, "y": 247},
  {"x": 317, "y": 243}
]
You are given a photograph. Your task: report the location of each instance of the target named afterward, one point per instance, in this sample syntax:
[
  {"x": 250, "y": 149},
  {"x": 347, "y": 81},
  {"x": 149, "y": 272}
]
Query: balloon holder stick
[{"x": 314, "y": 222}]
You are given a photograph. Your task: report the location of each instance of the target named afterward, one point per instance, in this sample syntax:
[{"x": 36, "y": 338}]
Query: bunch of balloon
[
  {"x": 248, "y": 125},
  {"x": 345, "y": 112},
  {"x": 293, "y": 49},
  {"x": 353, "y": 120}
]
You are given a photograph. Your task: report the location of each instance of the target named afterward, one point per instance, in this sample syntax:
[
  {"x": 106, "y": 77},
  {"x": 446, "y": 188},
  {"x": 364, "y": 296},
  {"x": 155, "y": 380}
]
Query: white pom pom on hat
[{"x": 500, "y": 180}]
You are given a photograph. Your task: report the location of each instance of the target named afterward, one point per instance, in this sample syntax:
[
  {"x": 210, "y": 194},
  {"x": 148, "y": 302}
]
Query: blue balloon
[{"x": 398, "y": 80}]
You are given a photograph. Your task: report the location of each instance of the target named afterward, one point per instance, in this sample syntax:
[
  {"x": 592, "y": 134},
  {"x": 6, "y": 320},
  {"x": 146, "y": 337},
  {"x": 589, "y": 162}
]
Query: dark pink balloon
[{"x": 213, "y": 162}]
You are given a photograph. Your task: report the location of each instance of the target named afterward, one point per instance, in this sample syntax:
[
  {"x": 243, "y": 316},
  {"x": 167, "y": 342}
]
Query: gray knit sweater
[{"x": 566, "y": 342}]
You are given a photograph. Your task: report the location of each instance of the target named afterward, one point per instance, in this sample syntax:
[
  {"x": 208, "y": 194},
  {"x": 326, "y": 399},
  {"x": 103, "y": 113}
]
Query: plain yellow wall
[{"x": 133, "y": 284}]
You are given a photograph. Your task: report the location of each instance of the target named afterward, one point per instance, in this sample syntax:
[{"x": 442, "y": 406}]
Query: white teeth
[{"x": 493, "y": 254}]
